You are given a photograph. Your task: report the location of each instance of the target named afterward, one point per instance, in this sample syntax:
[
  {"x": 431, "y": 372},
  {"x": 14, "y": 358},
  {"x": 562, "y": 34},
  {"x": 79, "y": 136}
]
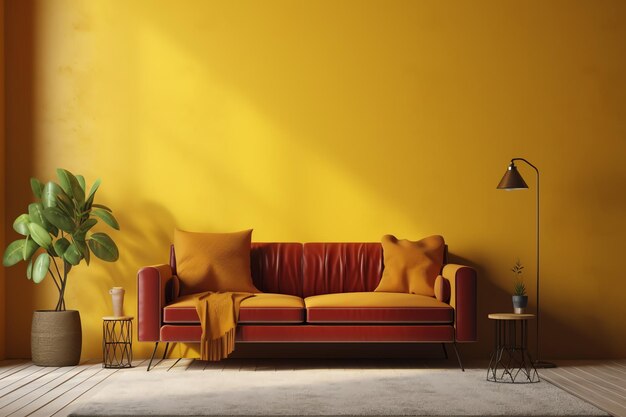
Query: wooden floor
[
  {"x": 601, "y": 383},
  {"x": 29, "y": 390}
]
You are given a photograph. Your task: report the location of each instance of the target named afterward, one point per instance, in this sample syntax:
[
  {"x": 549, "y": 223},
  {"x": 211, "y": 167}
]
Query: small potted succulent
[
  {"x": 520, "y": 299},
  {"x": 57, "y": 234}
]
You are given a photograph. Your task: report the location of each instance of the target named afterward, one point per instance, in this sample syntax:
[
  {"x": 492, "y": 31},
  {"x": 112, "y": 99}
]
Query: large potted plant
[{"x": 58, "y": 235}]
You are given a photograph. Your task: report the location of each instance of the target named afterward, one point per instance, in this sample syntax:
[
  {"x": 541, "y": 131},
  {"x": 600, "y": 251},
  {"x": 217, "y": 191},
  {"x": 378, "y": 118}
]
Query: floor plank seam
[
  {"x": 577, "y": 382},
  {"x": 39, "y": 388},
  {"x": 43, "y": 374},
  {"x": 64, "y": 392},
  {"x": 9, "y": 368},
  {"x": 83, "y": 393},
  {"x": 95, "y": 385},
  {"x": 616, "y": 391},
  {"x": 13, "y": 373},
  {"x": 613, "y": 410}
]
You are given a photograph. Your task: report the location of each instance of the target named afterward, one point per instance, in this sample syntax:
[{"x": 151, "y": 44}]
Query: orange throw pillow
[
  {"x": 213, "y": 262},
  {"x": 411, "y": 267}
]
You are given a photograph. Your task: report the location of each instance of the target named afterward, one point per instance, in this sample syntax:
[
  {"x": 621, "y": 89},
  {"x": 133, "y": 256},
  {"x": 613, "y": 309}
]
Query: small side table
[
  {"x": 117, "y": 342},
  {"x": 510, "y": 355}
]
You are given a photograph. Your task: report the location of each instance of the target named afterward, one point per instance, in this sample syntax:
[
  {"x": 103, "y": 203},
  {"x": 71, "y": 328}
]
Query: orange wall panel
[
  {"x": 334, "y": 121},
  {"x": 2, "y": 186}
]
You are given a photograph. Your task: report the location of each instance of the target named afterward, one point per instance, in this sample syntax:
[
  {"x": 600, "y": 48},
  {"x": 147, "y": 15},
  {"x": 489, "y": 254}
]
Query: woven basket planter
[{"x": 56, "y": 338}]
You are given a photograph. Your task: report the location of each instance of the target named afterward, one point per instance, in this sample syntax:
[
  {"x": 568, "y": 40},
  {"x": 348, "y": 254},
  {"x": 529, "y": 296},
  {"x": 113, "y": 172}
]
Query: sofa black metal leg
[
  {"x": 156, "y": 345},
  {"x": 167, "y": 345},
  {"x": 445, "y": 351},
  {"x": 458, "y": 357}
]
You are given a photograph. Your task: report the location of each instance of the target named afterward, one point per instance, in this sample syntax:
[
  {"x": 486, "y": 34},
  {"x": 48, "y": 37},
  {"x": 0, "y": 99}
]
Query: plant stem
[
  {"x": 54, "y": 279},
  {"x": 57, "y": 269},
  {"x": 60, "y": 287},
  {"x": 63, "y": 285}
]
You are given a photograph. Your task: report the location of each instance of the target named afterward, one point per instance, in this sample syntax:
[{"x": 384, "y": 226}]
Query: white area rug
[{"x": 423, "y": 392}]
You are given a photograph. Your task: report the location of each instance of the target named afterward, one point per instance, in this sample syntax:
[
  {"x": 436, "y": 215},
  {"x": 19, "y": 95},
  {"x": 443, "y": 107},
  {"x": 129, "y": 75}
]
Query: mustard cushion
[
  {"x": 371, "y": 299},
  {"x": 267, "y": 300},
  {"x": 411, "y": 267},
  {"x": 213, "y": 262},
  {"x": 260, "y": 300}
]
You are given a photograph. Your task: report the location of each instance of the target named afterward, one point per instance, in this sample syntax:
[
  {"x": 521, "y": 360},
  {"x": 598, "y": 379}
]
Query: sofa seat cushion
[
  {"x": 261, "y": 308},
  {"x": 377, "y": 307}
]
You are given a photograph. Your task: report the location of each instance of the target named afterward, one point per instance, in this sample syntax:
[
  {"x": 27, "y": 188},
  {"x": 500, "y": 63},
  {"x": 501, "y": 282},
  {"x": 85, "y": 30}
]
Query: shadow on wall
[
  {"x": 489, "y": 294},
  {"x": 142, "y": 241},
  {"x": 493, "y": 299}
]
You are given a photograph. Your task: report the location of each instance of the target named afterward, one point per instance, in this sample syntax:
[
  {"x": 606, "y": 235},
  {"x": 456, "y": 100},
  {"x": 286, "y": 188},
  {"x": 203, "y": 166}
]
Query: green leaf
[
  {"x": 107, "y": 217},
  {"x": 102, "y": 207},
  {"x": 29, "y": 269},
  {"x": 94, "y": 188},
  {"x": 72, "y": 255},
  {"x": 78, "y": 191},
  {"x": 20, "y": 225},
  {"x": 81, "y": 181},
  {"x": 60, "y": 246},
  {"x": 53, "y": 229},
  {"x": 14, "y": 253},
  {"x": 40, "y": 267},
  {"x": 84, "y": 228},
  {"x": 64, "y": 180},
  {"x": 39, "y": 235},
  {"x": 82, "y": 247},
  {"x": 30, "y": 247},
  {"x": 54, "y": 196},
  {"x": 87, "y": 255},
  {"x": 66, "y": 204},
  {"x": 35, "y": 211},
  {"x": 71, "y": 186},
  {"x": 88, "y": 203},
  {"x": 37, "y": 187},
  {"x": 81, "y": 237},
  {"x": 103, "y": 247},
  {"x": 49, "y": 194},
  {"x": 59, "y": 218}
]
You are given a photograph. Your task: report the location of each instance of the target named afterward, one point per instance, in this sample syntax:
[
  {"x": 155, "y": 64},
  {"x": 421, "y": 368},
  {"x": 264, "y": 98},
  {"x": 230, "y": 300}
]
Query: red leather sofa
[{"x": 315, "y": 293}]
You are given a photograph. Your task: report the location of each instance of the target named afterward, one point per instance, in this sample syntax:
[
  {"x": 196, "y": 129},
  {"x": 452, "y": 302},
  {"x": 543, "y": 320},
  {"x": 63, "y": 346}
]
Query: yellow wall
[{"x": 334, "y": 121}]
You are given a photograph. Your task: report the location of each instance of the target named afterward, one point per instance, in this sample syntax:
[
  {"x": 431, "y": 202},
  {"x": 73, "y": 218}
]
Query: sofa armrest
[
  {"x": 154, "y": 288},
  {"x": 463, "y": 297}
]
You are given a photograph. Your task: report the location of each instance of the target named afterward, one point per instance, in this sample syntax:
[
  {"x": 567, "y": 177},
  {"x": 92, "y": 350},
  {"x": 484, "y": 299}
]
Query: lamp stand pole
[{"x": 538, "y": 362}]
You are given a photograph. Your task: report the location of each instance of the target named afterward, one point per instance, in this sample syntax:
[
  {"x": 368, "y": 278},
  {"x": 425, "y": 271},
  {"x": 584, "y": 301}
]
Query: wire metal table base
[
  {"x": 510, "y": 361},
  {"x": 117, "y": 343}
]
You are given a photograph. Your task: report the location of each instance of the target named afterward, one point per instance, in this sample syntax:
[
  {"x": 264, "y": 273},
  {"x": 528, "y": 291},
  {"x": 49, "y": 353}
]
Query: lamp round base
[{"x": 544, "y": 364}]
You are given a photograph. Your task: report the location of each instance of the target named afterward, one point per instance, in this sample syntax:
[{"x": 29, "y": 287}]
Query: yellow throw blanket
[{"x": 218, "y": 312}]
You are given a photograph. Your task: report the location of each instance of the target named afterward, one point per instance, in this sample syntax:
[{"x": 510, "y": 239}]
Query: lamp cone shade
[{"x": 512, "y": 180}]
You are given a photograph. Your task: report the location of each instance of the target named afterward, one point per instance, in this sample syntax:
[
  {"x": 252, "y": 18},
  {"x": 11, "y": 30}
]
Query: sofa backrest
[
  {"x": 341, "y": 267},
  {"x": 316, "y": 268},
  {"x": 313, "y": 268},
  {"x": 277, "y": 267}
]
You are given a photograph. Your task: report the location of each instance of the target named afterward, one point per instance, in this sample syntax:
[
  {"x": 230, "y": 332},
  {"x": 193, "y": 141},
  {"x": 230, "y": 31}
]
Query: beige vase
[
  {"x": 56, "y": 338},
  {"x": 117, "y": 297}
]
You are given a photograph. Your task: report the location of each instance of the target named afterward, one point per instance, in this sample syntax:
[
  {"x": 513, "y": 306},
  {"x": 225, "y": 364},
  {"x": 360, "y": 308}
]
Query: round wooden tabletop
[
  {"x": 511, "y": 316},
  {"x": 109, "y": 318}
]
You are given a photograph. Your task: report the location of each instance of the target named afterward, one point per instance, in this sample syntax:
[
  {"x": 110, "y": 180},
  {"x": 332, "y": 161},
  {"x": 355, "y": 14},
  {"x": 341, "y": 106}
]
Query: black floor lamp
[{"x": 512, "y": 180}]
